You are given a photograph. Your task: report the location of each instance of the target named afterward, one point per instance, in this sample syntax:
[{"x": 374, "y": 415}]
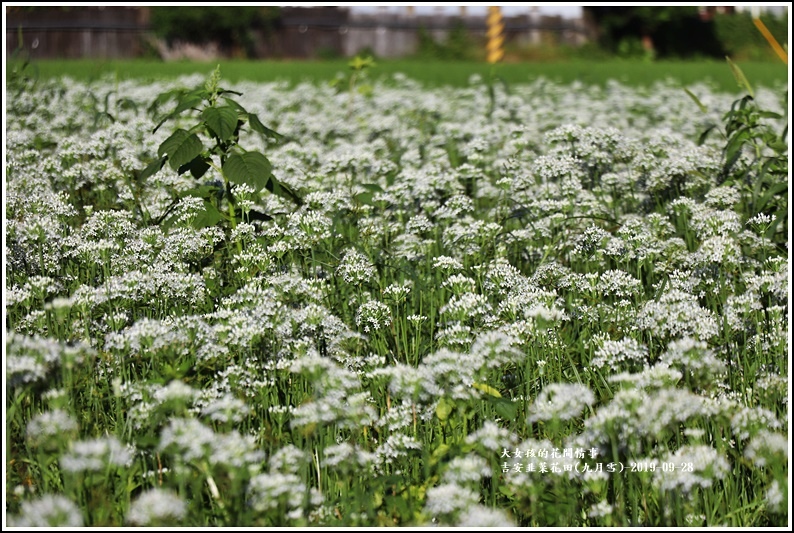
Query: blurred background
[{"x": 531, "y": 33}]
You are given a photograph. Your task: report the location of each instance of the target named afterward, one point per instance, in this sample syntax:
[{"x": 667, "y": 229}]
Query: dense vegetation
[{"x": 257, "y": 304}]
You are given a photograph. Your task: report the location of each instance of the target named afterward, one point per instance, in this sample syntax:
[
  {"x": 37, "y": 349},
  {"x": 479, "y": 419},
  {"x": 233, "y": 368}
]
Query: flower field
[{"x": 524, "y": 305}]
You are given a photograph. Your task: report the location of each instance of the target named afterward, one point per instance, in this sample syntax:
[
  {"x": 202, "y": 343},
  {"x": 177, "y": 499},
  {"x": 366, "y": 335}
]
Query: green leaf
[
  {"x": 487, "y": 389},
  {"x": 505, "y": 408},
  {"x": 152, "y": 168},
  {"x": 251, "y": 168},
  {"x": 736, "y": 142},
  {"x": 202, "y": 191},
  {"x": 364, "y": 198},
  {"x": 229, "y": 91},
  {"x": 769, "y": 114},
  {"x": 507, "y": 490},
  {"x": 696, "y": 100},
  {"x": 258, "y": 127},
  {"x": 374, "y": 187},
  {"x": 221, "y": 120},
  {"x": 778, "y": 146},
  {"x": 280, "y": 189},
  {"x": 439, "y": 453},
  {"x": 361, "y": 63},
  {"x": 189, "y": 101},
  {"x": 180, "y": 148},
  {"x": 236, "y": 105},
  {"x": 253, "y": 214},
  {"x": 705, "y": 134},
  {"x": 444, "y": 408},
  {"x": 198, "y": 166},
  {"x": 777, "y": 189},
  {"x": 209, "y": 217},
  {"x": 162, "y": 98}
]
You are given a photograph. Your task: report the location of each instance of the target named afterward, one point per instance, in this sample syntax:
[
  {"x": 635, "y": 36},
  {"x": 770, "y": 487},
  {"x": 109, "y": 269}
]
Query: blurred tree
[
  {"x": 655, "y": 31},
  {"x": 742, "y": 40},
  {"x": 229, "y": 26},
  {"x": 458, "y": 45}
]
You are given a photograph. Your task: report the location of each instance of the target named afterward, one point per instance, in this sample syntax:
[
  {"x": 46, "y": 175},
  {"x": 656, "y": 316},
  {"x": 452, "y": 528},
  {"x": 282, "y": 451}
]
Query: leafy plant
[
  {"x": 21, "y": 74},
  {"x": 359, "y": 66},
  {"x": 762, "y": 173},
  {"x": 213, "y": 143}
]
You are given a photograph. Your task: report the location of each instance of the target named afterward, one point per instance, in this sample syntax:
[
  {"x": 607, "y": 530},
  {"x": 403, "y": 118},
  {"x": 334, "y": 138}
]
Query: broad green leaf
[
  {"x": 778, "y": 146},
  {"x": 163, "y": 97},
  {"x": 364, "y": 198},
  {"x": 443, "y": 409},
  {"x": 280, "y": 189},
  {"x": 505, "y": 408},
  {"x": 253, "y": 214},
  {"x": 360, "y": 63},
  {"x": 507, "y": 490},
  {"x": 439, "y": 453},
  {"x": 235, "y": 105},
  {"x": 152, "y": 168},
  {"x": 521, "y": 212},
  {"x": 209, "y": 217},
  {"x": 221, "y": 120},
  {"x": 198, "y": 166},
  {"x": 258, "y": 127},
  {"x": 487, "y": 389},
  {"x": 180, "y": 148},
  {"x": 251, "y": 168},
  {"x": 374, "y": 187},
  {"x": 190, "y": 101},
  {"x": 202, "y": 191}
]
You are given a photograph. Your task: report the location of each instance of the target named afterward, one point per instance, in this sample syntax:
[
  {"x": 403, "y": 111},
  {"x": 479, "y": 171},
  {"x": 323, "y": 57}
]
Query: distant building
[{"x": 300, "y": 32}]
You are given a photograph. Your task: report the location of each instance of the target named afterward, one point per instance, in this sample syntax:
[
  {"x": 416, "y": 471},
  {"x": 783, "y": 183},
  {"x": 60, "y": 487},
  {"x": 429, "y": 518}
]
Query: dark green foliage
[
  {"x": 741, "y": 39},
  {"x": 755, "y": 159},
  {"x": 674, "y": 31},
  {"x": 21, "y": 74},
  {"x": 220, "y": 121},
  {"x": 458, "y": 45},
  {"x": 679, "y": 32},
  {"x": 230, "y": 26}
]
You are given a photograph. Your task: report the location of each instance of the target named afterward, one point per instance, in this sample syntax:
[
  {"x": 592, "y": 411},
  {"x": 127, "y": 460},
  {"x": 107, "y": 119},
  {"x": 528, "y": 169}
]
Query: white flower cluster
[
  {"x": 355, "y": 268},
  {"x": 156, "y": 507},
  {"x": 97, "y": 455},
  {"x": 560, "y": 401},
  {"x": 694, "y": 466}
]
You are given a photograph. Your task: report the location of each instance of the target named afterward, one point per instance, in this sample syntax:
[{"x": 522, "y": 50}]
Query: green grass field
[{"x": 433, "y": 73}]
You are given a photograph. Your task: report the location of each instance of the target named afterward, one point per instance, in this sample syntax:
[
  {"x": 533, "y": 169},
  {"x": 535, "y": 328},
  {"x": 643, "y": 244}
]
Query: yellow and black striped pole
[{"x": 496, "y": 40}]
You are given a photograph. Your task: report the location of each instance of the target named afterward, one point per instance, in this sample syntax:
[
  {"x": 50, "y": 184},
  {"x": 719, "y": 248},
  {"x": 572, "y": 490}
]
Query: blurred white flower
[
  {"x": 156, "y": 507},
  {"x": 50, "y": 510}
]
